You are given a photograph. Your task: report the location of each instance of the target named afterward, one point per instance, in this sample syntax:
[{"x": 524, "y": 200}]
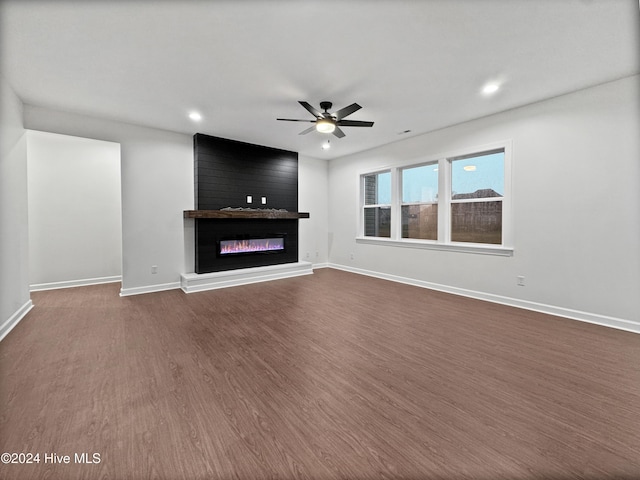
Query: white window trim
[
  {"x": 404, "y": 204},
  {"x": 362, "y": 203},
  {"x": 444, "y": 242},
  {"x": 485, "y": 249}
]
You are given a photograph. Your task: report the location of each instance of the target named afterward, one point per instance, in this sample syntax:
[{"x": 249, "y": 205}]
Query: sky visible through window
[
  {"x": 384, "y": 188},
  {"x": 420, "y": 184},
  {"x": 478, "y": 173}
]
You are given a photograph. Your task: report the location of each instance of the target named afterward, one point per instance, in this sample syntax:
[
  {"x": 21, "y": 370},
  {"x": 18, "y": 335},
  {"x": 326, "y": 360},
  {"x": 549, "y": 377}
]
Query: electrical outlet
[
  {"x": 263, "y": 200},
  {"x": 520, "y": 280},
  {"x": 154, "y": 269},
  {"x": 249, "y": 199},
  {"x": 352, "y": 256},
  {"x": 307, "y": 255}
]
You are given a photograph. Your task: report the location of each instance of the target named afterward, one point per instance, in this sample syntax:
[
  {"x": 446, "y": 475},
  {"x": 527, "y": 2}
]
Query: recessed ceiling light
[
  {"x": 195, "y": 116},
  {"x": 490, "y": 88}
]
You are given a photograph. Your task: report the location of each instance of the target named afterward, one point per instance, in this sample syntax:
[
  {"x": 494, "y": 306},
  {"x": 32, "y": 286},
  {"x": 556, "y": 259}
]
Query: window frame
[
  {"x": 443, "y": 242},
  {"x": 364, "y": 205},
  {"x": 457, "y": 201},
  {"x": 408, "y": 204}
]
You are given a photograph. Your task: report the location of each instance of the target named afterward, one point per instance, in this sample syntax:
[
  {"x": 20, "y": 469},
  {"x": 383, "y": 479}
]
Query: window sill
[{"x": 448, "y": 247}]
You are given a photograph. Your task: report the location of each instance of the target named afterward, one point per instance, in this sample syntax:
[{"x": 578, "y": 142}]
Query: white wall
[
  {"x": 157, "y": 185},
  {"x": 75, "y": 221},
  {"x": 576, "y": 206},
  {"x": 313, "y": 198},
  {"x": 14, "y": 273}
]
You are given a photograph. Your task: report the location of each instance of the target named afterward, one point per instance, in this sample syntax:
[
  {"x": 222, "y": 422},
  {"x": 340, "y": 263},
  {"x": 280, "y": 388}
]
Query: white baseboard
[
  {"x": 612, "y": 322},
  {"x": 320, "y": 265},
  {"x": 74, "y": 283},
  {"x": 193, "y": 282},
  {"x": 125, "y": 292},
  {"x": 14, "y": 319}
]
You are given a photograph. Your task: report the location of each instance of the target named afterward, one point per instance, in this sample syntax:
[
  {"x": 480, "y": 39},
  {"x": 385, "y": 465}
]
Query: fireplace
[
  {"x": 248, "y": 245},
  {"x": 213, "y": 235},
  {"x": 229, "y": 173}
]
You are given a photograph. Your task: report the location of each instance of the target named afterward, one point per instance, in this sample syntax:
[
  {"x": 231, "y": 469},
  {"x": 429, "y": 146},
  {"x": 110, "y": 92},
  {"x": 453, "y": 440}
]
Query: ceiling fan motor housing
[{"x": 326, "y": 105}]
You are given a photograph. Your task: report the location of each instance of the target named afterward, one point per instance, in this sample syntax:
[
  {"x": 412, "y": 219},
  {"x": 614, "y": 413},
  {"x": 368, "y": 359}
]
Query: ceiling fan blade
[
  {"x": 354, "y": 123},
  {"x": 343, "y": 112},
  {"x": 338, "y": 133},
  {"x": 294, "y": 120},
  {"x": 310, "y": 129},
  {"x": 311, "y": 110}
]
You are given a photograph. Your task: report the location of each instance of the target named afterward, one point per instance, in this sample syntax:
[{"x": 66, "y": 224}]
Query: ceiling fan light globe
[{"x": 325, "y": 126}]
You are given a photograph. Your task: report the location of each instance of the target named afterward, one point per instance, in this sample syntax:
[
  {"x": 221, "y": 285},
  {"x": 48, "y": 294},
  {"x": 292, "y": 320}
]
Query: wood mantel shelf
[{"x": 264, "y": 214}]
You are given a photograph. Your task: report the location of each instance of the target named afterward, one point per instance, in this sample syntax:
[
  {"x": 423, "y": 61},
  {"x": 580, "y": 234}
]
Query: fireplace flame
[{"x": 251, "y": 245}]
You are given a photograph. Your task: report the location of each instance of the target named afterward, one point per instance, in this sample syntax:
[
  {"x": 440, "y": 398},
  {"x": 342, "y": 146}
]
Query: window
[
  {"x": 459, "y": 202},
  {"x": 420, "y": 202},
  {"x": 377, "y": 204},
  {"x": 477, "y": 190}
]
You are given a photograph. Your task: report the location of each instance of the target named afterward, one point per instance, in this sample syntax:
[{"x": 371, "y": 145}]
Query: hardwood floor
[{"x": 328, "y": 376}]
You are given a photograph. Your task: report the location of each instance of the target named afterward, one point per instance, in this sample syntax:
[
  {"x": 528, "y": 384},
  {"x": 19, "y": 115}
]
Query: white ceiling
[{"x": 412, "y": 65}]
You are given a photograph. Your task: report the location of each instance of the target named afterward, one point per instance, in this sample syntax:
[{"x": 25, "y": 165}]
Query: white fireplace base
[{"x": 194, "y": 282}]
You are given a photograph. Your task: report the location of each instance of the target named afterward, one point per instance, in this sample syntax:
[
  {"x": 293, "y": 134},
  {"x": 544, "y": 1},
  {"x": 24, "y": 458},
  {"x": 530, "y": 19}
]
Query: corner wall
[
  {"x": 157, "y": 185},
  {"x": 14, "y": 231},
  {"x": 576, "y": 205},
  {"x": 313, "y": 191},
  {"x": 75, "y": 211}
]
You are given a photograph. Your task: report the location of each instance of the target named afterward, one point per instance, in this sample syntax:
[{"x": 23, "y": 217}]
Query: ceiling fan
[{"x": 326, "y": 122}]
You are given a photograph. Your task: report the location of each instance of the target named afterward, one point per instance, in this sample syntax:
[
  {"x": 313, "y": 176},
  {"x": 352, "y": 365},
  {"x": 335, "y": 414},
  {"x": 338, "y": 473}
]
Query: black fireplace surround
[{"x": 226, "y": 172}]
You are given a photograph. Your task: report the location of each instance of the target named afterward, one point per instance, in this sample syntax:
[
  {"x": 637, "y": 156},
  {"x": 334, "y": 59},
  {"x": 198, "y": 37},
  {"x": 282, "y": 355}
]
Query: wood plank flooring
[{"x": 327, "y": 376}]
